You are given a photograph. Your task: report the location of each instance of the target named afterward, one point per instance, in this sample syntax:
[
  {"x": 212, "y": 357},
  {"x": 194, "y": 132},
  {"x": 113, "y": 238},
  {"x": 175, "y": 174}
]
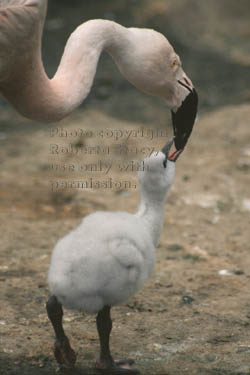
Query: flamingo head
[{"x": 153, "y": 66}]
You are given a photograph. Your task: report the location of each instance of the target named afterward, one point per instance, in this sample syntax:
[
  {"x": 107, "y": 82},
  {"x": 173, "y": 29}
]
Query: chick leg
[
  {"x": 64, "y": 354},
  {"x": 106, "y": 364}
]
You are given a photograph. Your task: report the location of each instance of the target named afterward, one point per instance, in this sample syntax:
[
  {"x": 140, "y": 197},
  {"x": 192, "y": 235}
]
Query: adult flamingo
[{"x": 144, "y": 57}]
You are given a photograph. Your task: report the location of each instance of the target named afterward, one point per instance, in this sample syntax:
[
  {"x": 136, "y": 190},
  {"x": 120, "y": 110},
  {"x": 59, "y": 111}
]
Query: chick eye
[{"x": 165, "y": 163}]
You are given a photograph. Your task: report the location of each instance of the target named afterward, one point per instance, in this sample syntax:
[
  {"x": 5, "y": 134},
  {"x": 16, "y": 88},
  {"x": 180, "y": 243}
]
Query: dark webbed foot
[
  {"x": 117, "y": 367},
  {"x": 106, "y": 364},
  {"x": 63, "y": 352}
]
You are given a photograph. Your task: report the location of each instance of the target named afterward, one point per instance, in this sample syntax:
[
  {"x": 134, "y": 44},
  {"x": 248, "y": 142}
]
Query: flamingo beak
[
  {"x": 166, "y": 149},
  {"x": 183, "y": 119}
]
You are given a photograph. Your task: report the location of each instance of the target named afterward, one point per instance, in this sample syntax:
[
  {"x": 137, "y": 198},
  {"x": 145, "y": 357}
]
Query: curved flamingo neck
[{"x": 37, "y": 97}]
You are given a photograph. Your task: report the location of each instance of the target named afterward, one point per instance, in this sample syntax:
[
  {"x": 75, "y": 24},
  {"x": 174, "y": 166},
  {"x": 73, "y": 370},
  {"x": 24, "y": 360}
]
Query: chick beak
[
  {"x": 166, "y": 149},
  {"x": 183, "y": 119}
]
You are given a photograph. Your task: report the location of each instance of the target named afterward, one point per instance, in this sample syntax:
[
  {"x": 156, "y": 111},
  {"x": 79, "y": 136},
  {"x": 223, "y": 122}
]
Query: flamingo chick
[
  {"x": 144, "y": 57},
  {"x": 107, "y": 259}
]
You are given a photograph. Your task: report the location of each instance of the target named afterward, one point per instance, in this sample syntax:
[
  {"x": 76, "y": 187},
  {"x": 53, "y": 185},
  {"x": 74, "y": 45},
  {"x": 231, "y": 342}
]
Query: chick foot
[{"x": 117, "y": 367}]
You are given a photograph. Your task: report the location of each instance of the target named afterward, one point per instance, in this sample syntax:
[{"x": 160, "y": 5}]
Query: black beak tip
[{"x": 183, "y": 119}]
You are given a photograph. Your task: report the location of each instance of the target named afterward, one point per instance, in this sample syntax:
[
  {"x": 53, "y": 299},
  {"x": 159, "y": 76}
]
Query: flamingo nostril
[{"x": 187, "y": 81}]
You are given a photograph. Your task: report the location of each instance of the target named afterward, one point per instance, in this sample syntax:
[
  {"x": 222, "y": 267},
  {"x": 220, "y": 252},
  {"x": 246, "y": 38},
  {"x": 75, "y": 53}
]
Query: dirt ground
[{"x": 193, "y": 316}]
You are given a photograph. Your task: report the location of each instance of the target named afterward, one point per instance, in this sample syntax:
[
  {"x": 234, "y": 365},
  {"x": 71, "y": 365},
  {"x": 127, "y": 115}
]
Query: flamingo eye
[{"x": 174, "y": 63}]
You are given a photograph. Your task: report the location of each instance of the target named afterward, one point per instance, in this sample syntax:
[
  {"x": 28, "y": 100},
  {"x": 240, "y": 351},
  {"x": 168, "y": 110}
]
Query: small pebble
[
  {"x": 187, "y": 300},
  {"x": 175, "y": 247},
  {"x": 246, "y": 204},
  {"x": 224, "y": 273},
  {"x": 238, "y": 272},
  {"x": 243, "y": 349},
  {"x": 210, "y": 357},
  {"x": 243, "y": 166}
]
